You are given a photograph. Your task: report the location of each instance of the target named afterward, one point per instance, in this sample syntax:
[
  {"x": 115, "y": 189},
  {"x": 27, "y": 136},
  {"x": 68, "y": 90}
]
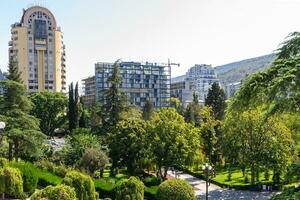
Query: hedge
[{"x": 59, "y": 192}]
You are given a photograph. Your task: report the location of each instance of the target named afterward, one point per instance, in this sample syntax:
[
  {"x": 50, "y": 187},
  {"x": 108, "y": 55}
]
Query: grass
[{"x": 151, "y": 190}]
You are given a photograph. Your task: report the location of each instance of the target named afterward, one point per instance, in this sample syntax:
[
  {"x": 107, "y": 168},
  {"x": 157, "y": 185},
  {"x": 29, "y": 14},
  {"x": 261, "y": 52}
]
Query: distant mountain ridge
[{"x": 236, "y": 71}]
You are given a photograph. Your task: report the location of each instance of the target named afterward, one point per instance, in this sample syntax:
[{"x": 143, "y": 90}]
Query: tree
[
  {"x": 147, "y": 110},
  {"x": 76, "y": 145},
  {"x": 13, "y": 72},
  {"x": 176, "y": 103},
  {"x": 216, "y": 100},
  {"x": 192, "y": 112},
  {"x": 175, "y": 189},
  {"x": 128, "y": 145},
  {"x": 73, "y": 111},
  {"x": 208, "y": 132},
  {"x": 173, "y": 142},
  {"x": 93, "y": 159},
  {"x": 23, "y": 133},
  {"x": 50, "y": 108},
  {"x": 11, "y": 182},
  {"x": 131, "y": 188},
  {"x": 255, "y": 141},
  {"x": 114, "y": 100}
]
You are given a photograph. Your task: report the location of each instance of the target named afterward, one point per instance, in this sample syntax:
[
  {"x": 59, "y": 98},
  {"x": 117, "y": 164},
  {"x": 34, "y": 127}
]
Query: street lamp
[
  {"x": 2, "y": 126},
  {"x": 207, "y": 169}
]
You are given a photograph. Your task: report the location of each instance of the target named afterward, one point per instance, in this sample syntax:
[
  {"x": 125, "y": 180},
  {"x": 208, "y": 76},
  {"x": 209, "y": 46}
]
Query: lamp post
[{"x": 207, "y": 169}]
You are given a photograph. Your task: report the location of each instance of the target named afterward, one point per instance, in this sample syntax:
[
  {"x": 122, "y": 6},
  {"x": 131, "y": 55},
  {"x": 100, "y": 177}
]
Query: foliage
[
  {"x": 83, "y": 184},
  {"x": 13, "y": 72},
  {"x": 173, "y": 142},
  {"x": 114, "y": 102},
  {"x": 293, "y": 173},
  {"x": 147, "y": 110},
  {"x": 152, "y": 181},
  {"x": 176, "y": 103},
  {"x": 252, "y": 140},
  {"x": 291, "y": 194},
  {"x": 93, "y": 159},
  {"x": 130, "y": 189},
  {"x": 175, "y": 189},
  {"x": 73, "y": 107},
  {"x": 59, "y": 192},
  {"x": 11, "y": 182},
  {"x": 3, "y": 162},
  {"x": 29, "y": 176},
  {"x": 49, "y": 107},
  {"x": 128, "y": 144},
  {"x": 192, "y": 111},
  {"x": 76, "y": 144},
  {"x": 208, "y": 132},
  {"x": 216, "y": 100}
]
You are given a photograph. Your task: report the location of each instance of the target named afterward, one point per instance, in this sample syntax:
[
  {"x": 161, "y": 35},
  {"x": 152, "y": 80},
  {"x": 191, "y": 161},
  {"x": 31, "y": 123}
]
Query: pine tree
[
  {"x": 216, "y": 100},
  {"x": 114, "y": 100},
  {"x": 147, "y": 110},
  {"x": 13, "y": 72}
]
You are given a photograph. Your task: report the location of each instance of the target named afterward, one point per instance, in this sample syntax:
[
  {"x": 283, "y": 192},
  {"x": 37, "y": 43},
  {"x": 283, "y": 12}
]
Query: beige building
[
  {"x": 89, "y": 91},
  {"x": 37, "y": 46}
]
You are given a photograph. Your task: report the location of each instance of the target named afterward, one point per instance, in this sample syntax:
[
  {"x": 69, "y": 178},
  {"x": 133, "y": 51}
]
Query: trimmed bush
[
  {"x": 11, "y": 182},
  {"x": 130, "y": 189},
  {"x": 83, "y": 184},
  {"x": 59, "y": 192},
  {"x": 175, "y": 189}
]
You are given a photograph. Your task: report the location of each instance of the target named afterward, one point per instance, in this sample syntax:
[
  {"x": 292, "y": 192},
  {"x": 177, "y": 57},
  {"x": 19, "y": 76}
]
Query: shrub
[
  {"x": 30, "y": 177},
  {"x": 175, "y": 189},
  {"x": 3, "y": 162},
  {"x": 130, "y": 189},
  {"x": 83, "y": 184},
  {"x": 60, "y": 170},
  {"x": 45, "y": 165},
  {"x": 59, "y": 192},
  {"x": 291, "y": 194},
  {"x": 11, "y": 182}
]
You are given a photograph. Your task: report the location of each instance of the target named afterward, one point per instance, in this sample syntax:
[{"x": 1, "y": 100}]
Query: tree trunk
[
  {"x": 101, "y": 173},
  {"x": 10, "y": 151},
  {"x": 165, "y": 172},
  {"x": 257, "y": 174},
  {"x": 253, "y": 174}
]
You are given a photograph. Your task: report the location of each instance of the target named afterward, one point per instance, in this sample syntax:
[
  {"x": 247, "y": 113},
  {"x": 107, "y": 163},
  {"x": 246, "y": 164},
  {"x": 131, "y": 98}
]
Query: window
[{"x": 30, "y": 50}]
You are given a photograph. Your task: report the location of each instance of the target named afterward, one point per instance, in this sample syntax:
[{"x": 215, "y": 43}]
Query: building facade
[
  {"x": 37, "y": 46},
  {"x": 140, "y": 81},
  {"x": 231, "y": 88},
  {"x": 89, "y": 91},
  {"x": 2, "y": 77},
  {"x": 198, "y": 79}
]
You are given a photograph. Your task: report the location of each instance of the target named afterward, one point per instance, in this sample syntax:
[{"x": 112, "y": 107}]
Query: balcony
[{"x": 10, "y": 43}]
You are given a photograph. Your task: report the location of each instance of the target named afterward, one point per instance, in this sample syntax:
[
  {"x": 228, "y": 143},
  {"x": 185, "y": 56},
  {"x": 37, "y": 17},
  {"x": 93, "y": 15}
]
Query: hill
[{"x": 236, "y": 71}]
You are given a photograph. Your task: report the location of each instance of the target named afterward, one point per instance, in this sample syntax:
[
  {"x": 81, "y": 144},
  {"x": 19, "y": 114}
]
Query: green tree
[
  {"x": 173, "y": 142},
  {"x": 93, "y": 159},
  {"x": 147, "y": 110},
  {"x": 13, "y": 72},
  {"x": 216, "y": 100},
  {"x": 130, "y": 189},
  {"x": 128, "y": 144},
  {"x": 208, "y": 132},
  {"x": 11, "y": 182},
  {"x": 73, "y": 107},
  {"x": 50, "y": 108},
  {"x": 76, "y": 145},
  {"x": 114, "y": 100},
  {"x": 192, "y": 112},
  {"x": 255, "y": 141},
  {"x": 176, "y": 103}
]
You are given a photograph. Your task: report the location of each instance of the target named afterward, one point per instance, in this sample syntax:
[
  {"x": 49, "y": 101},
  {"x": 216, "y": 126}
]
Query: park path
[{"x": 217, "y": 193}]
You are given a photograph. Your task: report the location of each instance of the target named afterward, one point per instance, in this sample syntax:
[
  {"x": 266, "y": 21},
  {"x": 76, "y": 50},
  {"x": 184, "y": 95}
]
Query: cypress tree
[{"x": 71, "y": 113}]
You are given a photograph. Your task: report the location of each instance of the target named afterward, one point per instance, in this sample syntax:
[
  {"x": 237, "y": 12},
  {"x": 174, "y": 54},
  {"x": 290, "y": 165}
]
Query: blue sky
[{"x": 186, "y": 31}]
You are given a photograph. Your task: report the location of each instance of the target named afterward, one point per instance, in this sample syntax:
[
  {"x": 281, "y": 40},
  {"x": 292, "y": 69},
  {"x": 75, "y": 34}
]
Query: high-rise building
[
  {"x": 140, "y": 81},
  {"x": 37, "y": 46},
  {"x": 2, "y": 77},
  {"x": 89, "y": 91},
  {"x": 231, "y": 88},
  {"x": 198, "y": 79}
]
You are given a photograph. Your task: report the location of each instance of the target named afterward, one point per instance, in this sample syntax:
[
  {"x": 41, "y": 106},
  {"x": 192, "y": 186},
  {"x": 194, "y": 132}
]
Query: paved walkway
[{"x": 217, "y": 193}]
